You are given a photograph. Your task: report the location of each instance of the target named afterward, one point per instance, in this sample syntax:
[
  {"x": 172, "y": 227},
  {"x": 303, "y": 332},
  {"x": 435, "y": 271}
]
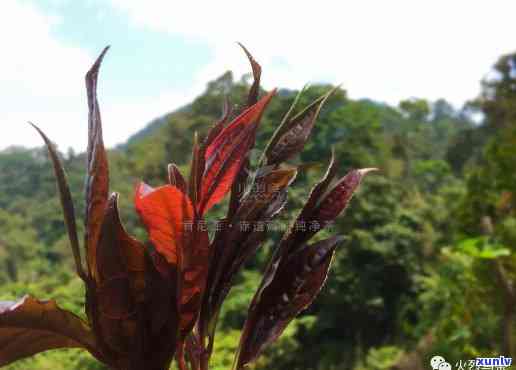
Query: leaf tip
[
  {"x": 95, "y": 67},
  {"x": 364, "y": 171}
]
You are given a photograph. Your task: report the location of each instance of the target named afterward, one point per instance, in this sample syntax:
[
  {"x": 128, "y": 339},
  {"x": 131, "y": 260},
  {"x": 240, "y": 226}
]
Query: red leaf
[
  {"x": 174, "y": 231},
  {"x": 97, "y": 178},
  {"x": 243, "y": 173},
  {"x": 219, "y": 126},
  {"x": 165, "y": 211},
  {"x": 226, "y": 154}
]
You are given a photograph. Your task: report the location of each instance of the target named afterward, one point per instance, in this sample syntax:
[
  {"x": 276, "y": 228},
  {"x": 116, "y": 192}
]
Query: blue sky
[{"x": 164, "y": 52}]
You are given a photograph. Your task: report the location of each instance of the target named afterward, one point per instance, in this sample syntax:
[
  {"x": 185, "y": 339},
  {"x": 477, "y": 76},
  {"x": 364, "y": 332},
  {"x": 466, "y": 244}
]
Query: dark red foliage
[{"x": 148, "y": 302}]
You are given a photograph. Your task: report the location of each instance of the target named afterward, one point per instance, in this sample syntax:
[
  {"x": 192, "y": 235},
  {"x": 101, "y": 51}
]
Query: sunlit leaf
[
  {"x": 175, "y": 233},
  {"x": 219, "y": 126},
  {"x": 243, "y": 174},
  {"x": 165, "y": 211},
  {"x": 226, "y": 154}
]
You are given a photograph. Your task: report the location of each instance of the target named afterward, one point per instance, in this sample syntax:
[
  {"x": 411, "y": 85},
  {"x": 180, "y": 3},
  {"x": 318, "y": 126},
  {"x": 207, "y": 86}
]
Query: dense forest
[{"x": 428, "y": 264}]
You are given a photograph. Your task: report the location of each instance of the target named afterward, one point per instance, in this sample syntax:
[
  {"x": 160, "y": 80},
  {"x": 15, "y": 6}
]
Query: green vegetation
[{"x": 428, "y": 265}]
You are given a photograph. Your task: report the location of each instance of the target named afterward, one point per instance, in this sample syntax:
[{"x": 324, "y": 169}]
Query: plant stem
[{"x": 181, "y": 357}]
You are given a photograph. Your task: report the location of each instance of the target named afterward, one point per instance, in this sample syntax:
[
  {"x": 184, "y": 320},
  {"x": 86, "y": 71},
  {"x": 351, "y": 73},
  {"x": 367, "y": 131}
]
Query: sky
[{"x": 163, "y": 52}]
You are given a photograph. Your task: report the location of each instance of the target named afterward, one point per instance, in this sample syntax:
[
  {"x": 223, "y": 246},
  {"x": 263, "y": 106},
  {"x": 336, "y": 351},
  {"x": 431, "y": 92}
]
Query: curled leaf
[
  {"x": 97, "y": 177},
  {"x": 339, "y": 196},
  {"x": 293, "y": 288},
  {"x": 295, "y": 133},
  {"x": 243, "y": 175},
  {"x": 176, "y": 179},
  {"x": 119, "y": 287},
  {"x": 257, "y": 73},
  {"x": 196, "y": 171},
  {"x": 320, "y": 188},
  {"x": 30, "y": 326},
  {"x": 121, "y": 264},
  {"x": 324, "y": 204}
]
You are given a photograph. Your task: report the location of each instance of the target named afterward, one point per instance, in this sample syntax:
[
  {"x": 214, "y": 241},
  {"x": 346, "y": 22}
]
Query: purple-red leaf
[
  {"x": 119, "y": 287},
  {"x": 292, "y": 289},
  {"x": 176, "y": 179},
  {"x": 219, "y": 126},
  {"x": 252, "y": 97},
  {"x": 196, "y": 171},
  {"x": 323, "y": 206},
  {"x": 295, "y": 133},
  {"x": 339, "y": 196},
  {"x": 121, "y": 263},
  {"x": 320, "y": 188},
  {"x": 66, "y": 203},
  {"x": 97, "y": 178},
  {"x": 29, "y": 326},
  {"x": 226, "y": 154},
  {"x": 250, "y": 225},
  {"x": 194, "y": 265}
]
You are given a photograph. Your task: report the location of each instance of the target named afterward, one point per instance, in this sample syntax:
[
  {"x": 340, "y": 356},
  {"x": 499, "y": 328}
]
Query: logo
[
  {"x": 492, "y": 363},
  {"x": 439, "y": 363}
]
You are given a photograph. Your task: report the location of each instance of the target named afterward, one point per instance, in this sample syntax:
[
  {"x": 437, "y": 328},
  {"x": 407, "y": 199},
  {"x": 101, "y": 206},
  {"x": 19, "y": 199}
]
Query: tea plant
[{"x": 147, "y": 303}]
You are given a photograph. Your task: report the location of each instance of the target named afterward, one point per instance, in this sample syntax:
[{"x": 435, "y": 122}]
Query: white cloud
[
  {"x": 38, "y": 76},
  {"x": 42, "y": 80},
  {"x": 386, "y": 50}
]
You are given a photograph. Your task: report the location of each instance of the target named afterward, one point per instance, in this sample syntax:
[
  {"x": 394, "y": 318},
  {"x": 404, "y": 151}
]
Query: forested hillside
[{"x": 428, "y": 262}]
